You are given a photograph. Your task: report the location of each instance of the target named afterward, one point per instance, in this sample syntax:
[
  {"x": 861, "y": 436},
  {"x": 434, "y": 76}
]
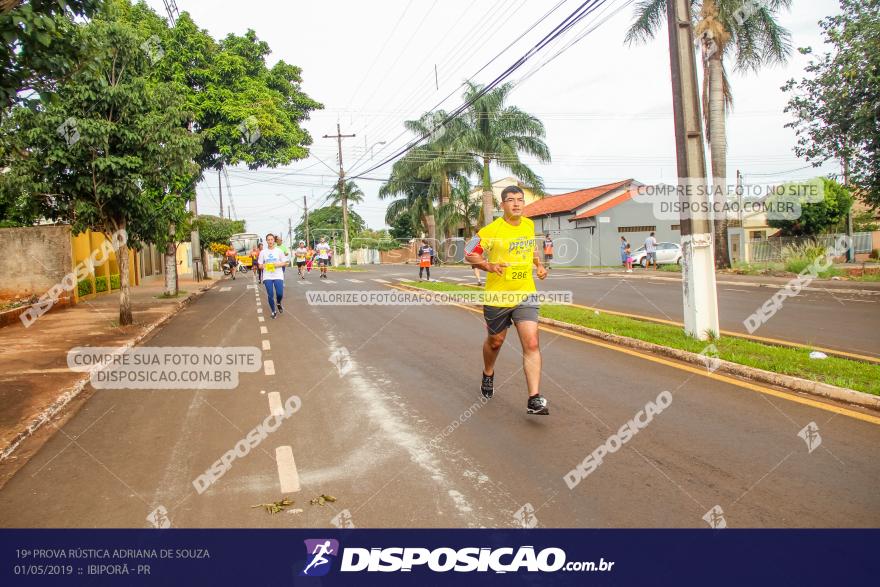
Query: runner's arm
[{"x": 474, "y": 256}]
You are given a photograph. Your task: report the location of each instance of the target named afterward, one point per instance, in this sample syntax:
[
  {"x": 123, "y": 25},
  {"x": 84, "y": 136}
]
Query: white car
[{"x": 667, "y": 254}]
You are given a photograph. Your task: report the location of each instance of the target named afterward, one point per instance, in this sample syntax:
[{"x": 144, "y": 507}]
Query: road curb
[
  {"x": 71, "y": 393},
  {"x": 788, "y": 382}
]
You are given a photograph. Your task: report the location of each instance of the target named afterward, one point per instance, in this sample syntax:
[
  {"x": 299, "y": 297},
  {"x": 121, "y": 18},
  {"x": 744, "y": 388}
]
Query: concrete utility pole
[
  {"x": 306, "y": 208},
  {"x": 698, "y": 260},
  {"x": 339, "y": 136},
  {"x": 220, "y": 187}
]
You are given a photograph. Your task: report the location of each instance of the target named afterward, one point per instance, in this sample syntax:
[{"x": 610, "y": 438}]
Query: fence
[{"x": 773, "y": 249}]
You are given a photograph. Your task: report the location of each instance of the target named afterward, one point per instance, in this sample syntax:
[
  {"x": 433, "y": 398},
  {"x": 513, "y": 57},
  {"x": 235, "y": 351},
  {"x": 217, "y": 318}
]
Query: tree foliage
[
  {"x": 327, "y": 221},
  {"x": 815, "y": 218},
  {"x": 214, "y": 229},
  {"x": 39, "y": 46},
  {"x": 836, "y": 108}
]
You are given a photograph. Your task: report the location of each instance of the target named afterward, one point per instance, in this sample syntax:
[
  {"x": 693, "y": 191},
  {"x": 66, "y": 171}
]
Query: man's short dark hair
[
  {"x": 652, "y": 234},
  {"x": 511, "y": 189}
]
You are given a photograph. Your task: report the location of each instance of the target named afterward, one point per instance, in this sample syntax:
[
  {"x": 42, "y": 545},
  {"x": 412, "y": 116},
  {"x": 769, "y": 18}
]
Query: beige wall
[{"x": 34, "y": 259}]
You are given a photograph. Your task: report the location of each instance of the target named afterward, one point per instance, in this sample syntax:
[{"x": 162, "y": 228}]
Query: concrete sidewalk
[{"x": 35, "y": 382}]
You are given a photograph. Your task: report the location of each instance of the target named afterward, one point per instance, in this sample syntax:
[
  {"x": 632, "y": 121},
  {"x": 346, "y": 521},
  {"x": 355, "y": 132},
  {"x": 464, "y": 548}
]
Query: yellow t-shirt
[{"x": 515, "y": 245}]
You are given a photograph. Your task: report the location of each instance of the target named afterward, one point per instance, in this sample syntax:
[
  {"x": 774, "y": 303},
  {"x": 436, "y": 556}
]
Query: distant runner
[
  {"x": 310, "y": 257},
  {"x": 231, "y": 261},
  {"x": 258, "y": 269},
  {"x": 283, "y": 248},
  {"x": 510, "y": 245},
  {"x": 272, "y": 261},
  {"x": 425, "y": 254},
  {"x": 323, "y": 253},
  {"x": 300, "y": 254}
]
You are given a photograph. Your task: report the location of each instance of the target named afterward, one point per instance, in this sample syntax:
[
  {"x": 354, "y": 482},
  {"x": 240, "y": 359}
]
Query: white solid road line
[
  {"x": 269, "y": 367},
  {"x": 380, "y": 281},
  {"x": 287, "y": 474},
  {"x": 225, "y": 289},
  {"x": 275, "y": 407},
  {"x": 266, "y": 345},
  {"x": 354, "y": 280},
  {"x": 264, "y": 330}
]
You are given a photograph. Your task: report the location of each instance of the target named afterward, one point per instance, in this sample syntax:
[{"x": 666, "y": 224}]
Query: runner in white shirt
[
  {"x": 323, "y": 253},
  {"x": 272, "y": 260},
  {"x": 300, "y": 253}
]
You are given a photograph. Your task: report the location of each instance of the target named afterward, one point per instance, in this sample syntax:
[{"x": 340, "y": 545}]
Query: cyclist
[{"x": 510, "y": 246}]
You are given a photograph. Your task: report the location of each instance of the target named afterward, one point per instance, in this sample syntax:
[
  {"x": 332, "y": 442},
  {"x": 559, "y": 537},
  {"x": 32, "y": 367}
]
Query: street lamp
[{"x": 374, "y": 146}]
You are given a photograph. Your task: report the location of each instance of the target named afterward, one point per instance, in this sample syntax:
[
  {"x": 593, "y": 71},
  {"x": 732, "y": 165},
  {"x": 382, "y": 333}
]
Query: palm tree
[
  {"x": 745, "y": 29},
  {"x": 461, "y": 210},
  {"x": 416, "y": 202},
  {"x": 353, "y": 193},
  {"x": 430, "y": 168},
  {"x": 494, "y": 133}
]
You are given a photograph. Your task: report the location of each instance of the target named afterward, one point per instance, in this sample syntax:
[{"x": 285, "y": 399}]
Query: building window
[
  {"x": 636, "y": 228},
  {"x": 756, "y": 235},
  {"x": 675, "y": 227}
]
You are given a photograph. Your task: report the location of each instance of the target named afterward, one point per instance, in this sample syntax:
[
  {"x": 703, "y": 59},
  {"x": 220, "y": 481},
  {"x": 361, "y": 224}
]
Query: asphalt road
[
  {"x": 400, "y": 437},
  {"x": 827, "y": 318}
]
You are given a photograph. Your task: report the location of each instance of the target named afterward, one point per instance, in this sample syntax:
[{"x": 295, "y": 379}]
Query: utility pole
[
  {"x": 220, "y": 187},
  {"x": 306, "y": 208},
  {"x": 339, "y": 136},
  {"x": 289, "y": 234},
  {"x": 698, "y": 260}
]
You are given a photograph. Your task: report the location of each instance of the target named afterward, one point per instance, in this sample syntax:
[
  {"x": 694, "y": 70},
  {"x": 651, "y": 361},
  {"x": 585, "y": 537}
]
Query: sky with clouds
[{"x": 607, "y": 107}]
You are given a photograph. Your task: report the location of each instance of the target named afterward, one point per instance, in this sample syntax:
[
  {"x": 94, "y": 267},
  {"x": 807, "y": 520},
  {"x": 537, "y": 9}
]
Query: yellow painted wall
[{"x": 84, "y": 243}]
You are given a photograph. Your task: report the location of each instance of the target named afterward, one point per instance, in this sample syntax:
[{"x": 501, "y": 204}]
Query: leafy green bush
[
  {"x": 800, "y": 256},
  {"x": 114, "y": 281},
  {"x": 100, "y": 284},
  {"x": 84, "y": 287}
]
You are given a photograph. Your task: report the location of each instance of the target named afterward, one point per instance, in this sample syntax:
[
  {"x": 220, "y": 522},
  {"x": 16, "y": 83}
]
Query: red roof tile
[
  {"x": 571, "y": 201},
  {"x": 599, "y": 209}
]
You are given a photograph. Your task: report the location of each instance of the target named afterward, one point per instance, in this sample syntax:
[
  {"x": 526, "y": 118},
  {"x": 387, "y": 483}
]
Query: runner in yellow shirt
[{"x": 510, "y": 248}]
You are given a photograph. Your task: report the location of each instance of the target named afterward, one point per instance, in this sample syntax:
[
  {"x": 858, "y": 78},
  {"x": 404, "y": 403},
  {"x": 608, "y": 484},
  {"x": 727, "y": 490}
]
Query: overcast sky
[{"x": 607, "y": 107}]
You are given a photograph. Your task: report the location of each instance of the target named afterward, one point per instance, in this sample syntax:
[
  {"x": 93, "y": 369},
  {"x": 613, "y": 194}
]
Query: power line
[{"x": 572, "y": 19}]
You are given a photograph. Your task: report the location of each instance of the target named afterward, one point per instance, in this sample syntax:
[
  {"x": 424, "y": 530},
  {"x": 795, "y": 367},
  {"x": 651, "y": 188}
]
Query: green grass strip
[{"x": 788, "y": 361}]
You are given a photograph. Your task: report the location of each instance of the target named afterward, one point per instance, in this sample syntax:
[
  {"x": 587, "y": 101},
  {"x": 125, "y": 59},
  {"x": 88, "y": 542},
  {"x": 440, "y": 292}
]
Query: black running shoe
[
  {"x": 537, "y": 405},
  {"x": 280, "y": 308},
  {"x": 487, "y": 387}
]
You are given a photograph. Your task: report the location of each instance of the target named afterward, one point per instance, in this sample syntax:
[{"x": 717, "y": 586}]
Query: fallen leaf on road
[
  {"x": 275, "y": 506},
  {"x": 322, "y": 499}
]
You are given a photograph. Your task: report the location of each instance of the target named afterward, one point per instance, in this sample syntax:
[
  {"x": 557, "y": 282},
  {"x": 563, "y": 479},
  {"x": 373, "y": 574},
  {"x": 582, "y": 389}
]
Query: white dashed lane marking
[
  {"x": 266, "y": 345},
  {"x": 329, "y": 281},
  {"x": 269, "y": 367},
  {"x": 354, "y": 280},
  {"x": 456, "y": 279},
  {"x": 287, "y": 474},
  {"x": 260, "y": 319},
  {"x": 381, "y": 281},
  {"x": 259, "y": 310},
  {"x": 275, "y": 407},
  {"x": 225, "y": 289},
  {"x": 264, "y": 330}
]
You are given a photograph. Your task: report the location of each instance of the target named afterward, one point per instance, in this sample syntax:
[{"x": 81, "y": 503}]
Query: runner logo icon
[{"x": 318, "y": 559}]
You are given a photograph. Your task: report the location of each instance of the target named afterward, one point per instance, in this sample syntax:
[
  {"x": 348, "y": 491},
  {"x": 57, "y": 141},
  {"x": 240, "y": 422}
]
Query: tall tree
[
  {"x": 462, "y": 210},
  {"x": 327, "y": 221},
  {"x": 837, "y": 107},
  {"x": 416, "y": 201},
  {"x": 748, "y": 32},
  {"x": 98, "y": 155},
  {"x": 353, "y": 194},
  {"x": 814, "y": 217},
  {"x": 494, "y": 132},
  {"x": 38, "y": 44}
]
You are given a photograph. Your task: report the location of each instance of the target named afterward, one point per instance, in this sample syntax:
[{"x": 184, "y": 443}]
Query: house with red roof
[{"x": 587, "y": 225}]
